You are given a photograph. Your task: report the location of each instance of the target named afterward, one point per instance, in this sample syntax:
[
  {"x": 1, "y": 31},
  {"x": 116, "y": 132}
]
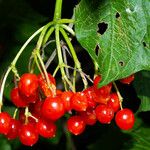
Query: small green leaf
[
  {"x": 119, "y": 29},
  {"x": 142, "y": 86}
]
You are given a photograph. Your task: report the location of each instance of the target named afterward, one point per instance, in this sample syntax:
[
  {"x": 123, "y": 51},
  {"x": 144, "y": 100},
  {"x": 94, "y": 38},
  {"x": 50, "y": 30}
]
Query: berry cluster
[{"x": 41, "y": 105}]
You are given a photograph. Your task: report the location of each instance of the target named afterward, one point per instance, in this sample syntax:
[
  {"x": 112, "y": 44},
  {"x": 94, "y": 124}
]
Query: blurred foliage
[{"x": 19, "y": 20}]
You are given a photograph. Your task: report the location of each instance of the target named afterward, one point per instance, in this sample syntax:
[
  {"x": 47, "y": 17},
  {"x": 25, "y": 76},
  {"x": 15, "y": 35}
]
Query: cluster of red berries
[{"x": 46, "y": 105}]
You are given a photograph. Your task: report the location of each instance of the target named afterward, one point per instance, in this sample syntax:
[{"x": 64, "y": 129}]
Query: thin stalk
[
  {"x": 2, "y": 87},
  {"x": 15, "y": 113},
  {"x": 58, "y": 7},
  {"x": 119, "y": 95},
  {"x": 62, "y": 21},
  {"x": 48, "y": 34},
  {"x": 26, "y": 115},
  {"x": 60, "y": 59},
  {"x": 76, "y": 61},
  {"x": 67, "y": 28},
  {"x": 25, "y": 44}
]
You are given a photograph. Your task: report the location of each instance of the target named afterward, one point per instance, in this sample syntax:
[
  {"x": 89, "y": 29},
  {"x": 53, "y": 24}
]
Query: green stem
[
  {"x": 119, "y": 95},
  {"x": 48, "y": 34},
  {"x": 76, "y": 61},
  {"x": 58, "y": 7},
  {"x": 15, "y": 113},
  {"x": 60, "y": 59},
  {"x": 2, "y": 86},
  {"x": 62, "y": 21},
  {"x": 67, "y": 28}
]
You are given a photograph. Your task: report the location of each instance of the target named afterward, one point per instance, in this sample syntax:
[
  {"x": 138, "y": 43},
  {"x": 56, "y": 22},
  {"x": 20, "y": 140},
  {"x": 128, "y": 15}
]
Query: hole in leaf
[
  {"x": 97, "y": 48},
  {"x": 102, "y": 27},
  {"x": 144, "y": 44},
  {"x": 117, "y": 15},
  {"x": 121, "y": 63}
]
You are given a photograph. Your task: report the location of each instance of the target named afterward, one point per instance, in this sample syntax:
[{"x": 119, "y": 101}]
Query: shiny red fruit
[
  {"x": 5, "y": 122},
  {"x": 89, "y": 116},
  {"x": 66, "y": 98},
  {"x": 28, "y": 135},
  {"x": 91, "y": 96},
  {"x": 14, "y": 130},
  {"x": 45, "y": 128},
  {"x": 44, "y": 86},
  {"x": 97, "y": 79},
  {"x": 28, "y": 84},
  {"x": 17, "y": 99},
  {"x": 127, "y": 80},
  {"x": 76, "y": 125},
  {"x": 114, "y": 102},
  {"x": 104, "y": 114},
  {"x": 53, "y": 108},
  {"x": 125, "y": 119},
  {"x": 79, "y": 102}
]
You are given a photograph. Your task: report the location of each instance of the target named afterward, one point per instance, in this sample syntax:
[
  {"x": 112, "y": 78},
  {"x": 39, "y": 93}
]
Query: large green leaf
[
  {"x": 124, "y": 46},
  {"x": 142, "y": 86}
]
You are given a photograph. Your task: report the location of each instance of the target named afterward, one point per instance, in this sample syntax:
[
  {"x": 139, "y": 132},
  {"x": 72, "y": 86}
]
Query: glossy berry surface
[
  {"x": 89, "y": 116},
  {"x": 125, "y": 119},
  {"x": 28, "y": 135},
  {"x": 104, "y": 114},
  {"x": 79, "y": 102},
  {"x": 28, "y": 84},
  {"x": 44, "y": 86},
  {"x": 17, "y": 99},
  {"x": 45, "y": 128},
  {"x": 66, "y": 98},
  {"x": 76, "y": 125},
  {"x": 114, "y": 102},
  {"x": 5, "y": 122},
  {"x": 53, "y": 108},
  {"x": 127, "y": 80},
  {"x": 14, "y": 130}
]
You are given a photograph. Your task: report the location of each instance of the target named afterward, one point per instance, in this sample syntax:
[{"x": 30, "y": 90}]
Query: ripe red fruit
[
  {"x": 44, "y": 86},
  {"x": 66, "y": 97},
  {"x": 17, "y": 99},
  {"x": 28, "y": 84},
  {"x": 76, "y": 125},
  {"x": 45, "y": 128},
  {"x": 104, "y": 114},
  {"x": 14, "y": 130},
  {"x": 127, "y": 80},
  {"x": 28, "y": 134},
  {"x": 97, "y": 79},
  {"x": 53, "y": 108},
  {"x": 91, "y": 96},
  {"x": 79, "y": 102},
  {"x": 114, "y": 102},
  {"x": 5, "y": 121},
  {"x": 89, "y": 116},
  {"x": 125, "y": 119}
]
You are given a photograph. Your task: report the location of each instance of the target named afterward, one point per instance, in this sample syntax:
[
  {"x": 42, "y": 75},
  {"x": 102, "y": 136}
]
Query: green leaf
[
  {"x": 124, "y": 46},
  {"x": 4, "y": 144},
  {"x": 142, "y": 86}
]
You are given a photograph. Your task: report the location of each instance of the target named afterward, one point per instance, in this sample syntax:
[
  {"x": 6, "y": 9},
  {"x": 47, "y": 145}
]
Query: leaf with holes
[
  {"x": 142, "y": 86},
  {"x": 120, "y": 30}
]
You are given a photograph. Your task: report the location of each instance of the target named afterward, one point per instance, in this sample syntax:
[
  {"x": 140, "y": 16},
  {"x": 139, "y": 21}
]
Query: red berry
[
  {"x": 5, "y": 122},
  {"x": 53, "y": 108},
  {"x": 46, "y": 129},
  {"x": 114, "y": 102},
  {"x": 127, "y": 80},
  {"x": 28, "y": 84},
  {"x": 28, "y": 134},
  {"x": 91, "y": 96},
  {"x": 44, "y": 86},
  {"x": 89, "y": 116},
  {"x": 58, "y": 92},
  {"x": 17, "y": 99},
  {"x": 104, "y": 114},
  {"x": 76, "y": 125},
  {"x": 97, "y": 79},
  {"x": 66, "y": 97},
  {"x": 79, "y": 102},
  {"x": 125, "y": 119},
  {"x": 14, "y": 130}
]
